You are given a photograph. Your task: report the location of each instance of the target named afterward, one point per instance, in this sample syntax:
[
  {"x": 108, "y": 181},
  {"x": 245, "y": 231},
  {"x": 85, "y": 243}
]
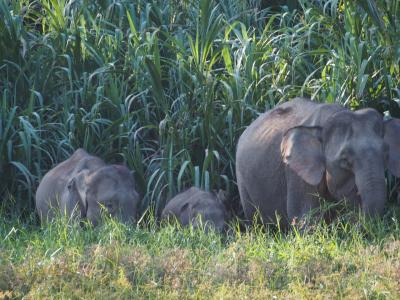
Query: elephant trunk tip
[{"x": 374, "y": 207}]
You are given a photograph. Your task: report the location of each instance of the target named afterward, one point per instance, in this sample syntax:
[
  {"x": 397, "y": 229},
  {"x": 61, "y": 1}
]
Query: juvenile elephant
[
  {"x": 193, "y": 204},
  {"x": 300, "y": 149},
  {"x": 84, "y": 183}
]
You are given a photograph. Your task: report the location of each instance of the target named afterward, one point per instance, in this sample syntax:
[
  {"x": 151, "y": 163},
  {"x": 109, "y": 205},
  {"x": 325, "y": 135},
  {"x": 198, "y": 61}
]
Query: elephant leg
[
  {"x": 47, "y": 214},
  {"x": 301, "y": 198},
  {"x": 48, "y": 210},
  {"x": 249, "y": 208},
  {"x": 69, "y": 207}
]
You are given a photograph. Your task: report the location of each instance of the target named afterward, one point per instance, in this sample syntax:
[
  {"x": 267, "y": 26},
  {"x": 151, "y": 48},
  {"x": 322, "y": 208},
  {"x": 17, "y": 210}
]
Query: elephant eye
[{"x": 344, "y": 163}]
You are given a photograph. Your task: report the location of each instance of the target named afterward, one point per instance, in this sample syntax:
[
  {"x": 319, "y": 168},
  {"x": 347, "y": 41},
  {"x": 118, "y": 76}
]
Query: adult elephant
[{"x": 300, "y": 149}]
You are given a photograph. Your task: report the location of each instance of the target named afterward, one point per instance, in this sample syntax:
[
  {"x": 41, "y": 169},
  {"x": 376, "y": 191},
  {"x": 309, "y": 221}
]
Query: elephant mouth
[{"x": 354, "y": 197}]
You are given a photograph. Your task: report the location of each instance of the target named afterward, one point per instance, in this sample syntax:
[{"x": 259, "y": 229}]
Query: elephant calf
[
  {"x": 85, "y": 184},
  {"x": 195, "y": 204}
]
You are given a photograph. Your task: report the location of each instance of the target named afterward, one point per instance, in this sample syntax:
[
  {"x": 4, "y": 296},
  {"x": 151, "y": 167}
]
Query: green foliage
[
  {"x": 167, "y": 87},
  {"x": 346, "y": 259}
]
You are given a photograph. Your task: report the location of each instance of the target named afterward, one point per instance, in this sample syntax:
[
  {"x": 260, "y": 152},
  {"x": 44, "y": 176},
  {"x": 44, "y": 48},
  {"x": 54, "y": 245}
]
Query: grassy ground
[
  {"x": 357, "y": 259},
  {"x": 167, "y": 87}
]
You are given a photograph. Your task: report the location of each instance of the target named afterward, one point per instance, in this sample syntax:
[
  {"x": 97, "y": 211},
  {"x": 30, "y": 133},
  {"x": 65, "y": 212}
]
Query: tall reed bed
[{"x": 167, "y": 87}]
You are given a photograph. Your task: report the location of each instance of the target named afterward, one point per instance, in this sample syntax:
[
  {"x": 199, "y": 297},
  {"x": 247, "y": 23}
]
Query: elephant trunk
[{"x": 372, "y": 188}]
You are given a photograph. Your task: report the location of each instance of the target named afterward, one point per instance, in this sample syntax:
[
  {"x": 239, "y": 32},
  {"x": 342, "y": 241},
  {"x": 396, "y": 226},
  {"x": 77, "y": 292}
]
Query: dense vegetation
[{"x": 167, "y": 87}]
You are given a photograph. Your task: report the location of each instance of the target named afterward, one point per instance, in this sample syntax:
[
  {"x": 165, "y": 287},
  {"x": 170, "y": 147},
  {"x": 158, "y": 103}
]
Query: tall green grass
[{"x": 167, "y": 87}]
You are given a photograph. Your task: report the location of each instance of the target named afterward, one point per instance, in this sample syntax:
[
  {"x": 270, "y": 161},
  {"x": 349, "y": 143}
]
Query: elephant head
[
  {"x": 197, "y": 207},
  {"x": 110, "y": 187},
  {"x": 205, "y": 213},
  {"x": 348, "y": 155}
]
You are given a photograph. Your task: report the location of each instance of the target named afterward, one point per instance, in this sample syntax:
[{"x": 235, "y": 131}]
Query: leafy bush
[{"x": 167, "y": 87}]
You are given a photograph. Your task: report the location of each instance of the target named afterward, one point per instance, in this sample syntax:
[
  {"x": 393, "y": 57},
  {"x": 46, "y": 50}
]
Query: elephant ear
[
  {"x": 392, "y": 139},
  {"x": 301, "y": 150},
  {"x": 78, "y": 184}
]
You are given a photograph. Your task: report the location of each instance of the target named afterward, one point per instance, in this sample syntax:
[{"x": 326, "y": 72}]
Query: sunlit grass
[
  {"x": 349, "y": 258},
  {"x": 167, "y": 87}
]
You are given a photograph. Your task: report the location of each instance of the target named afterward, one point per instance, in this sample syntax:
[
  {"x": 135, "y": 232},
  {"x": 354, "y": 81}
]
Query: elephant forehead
[
  {"x": 105, "y": 187},
  {"x": 114, "y": 190},
  {"x": 368, "y": 128},
  {"x": 213, "y": 213},
  {"x": 208, "y": 206},
  {"x": 361, "y": 131},
  {"x": 359, "y": 121}
]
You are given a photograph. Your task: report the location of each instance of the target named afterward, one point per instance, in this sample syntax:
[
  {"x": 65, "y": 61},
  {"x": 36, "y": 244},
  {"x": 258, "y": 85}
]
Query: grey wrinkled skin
[
  {"x": 83, "y": 185},
  {"x": 300, "y": 149},
  {"x": 194, "y": 204}
]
